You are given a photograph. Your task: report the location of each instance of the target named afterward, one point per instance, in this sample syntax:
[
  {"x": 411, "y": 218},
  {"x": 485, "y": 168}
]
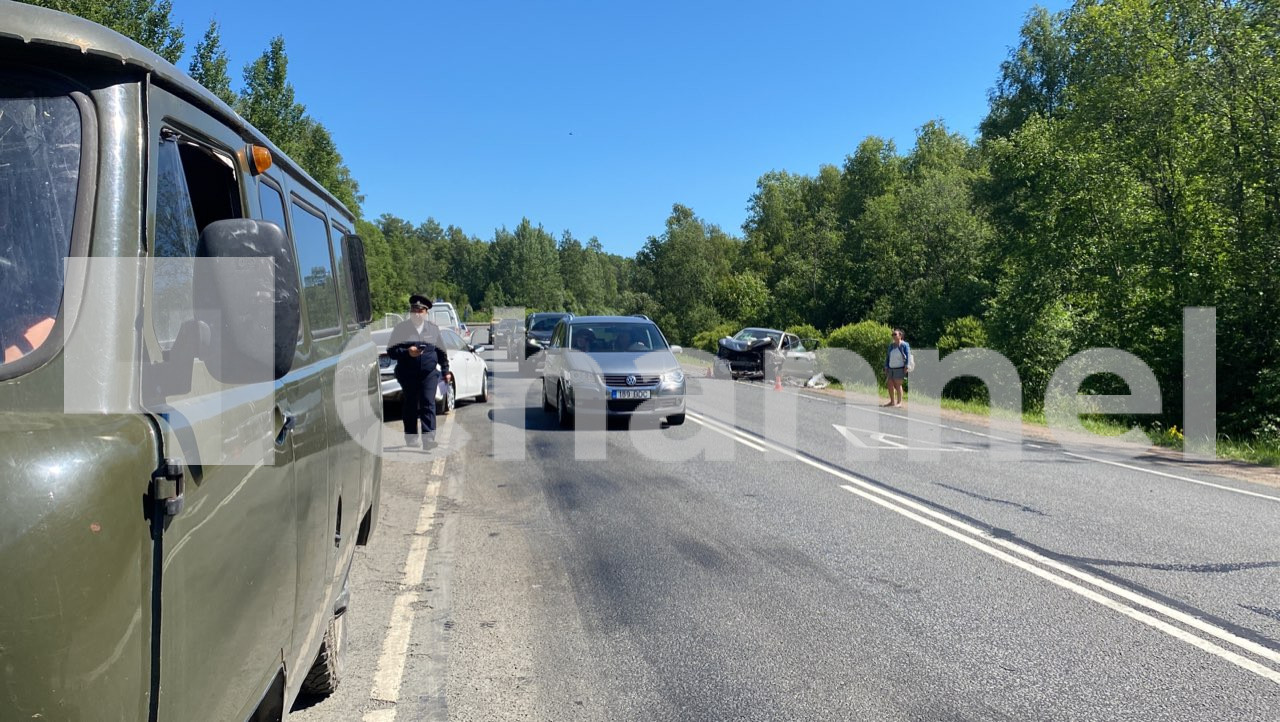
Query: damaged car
[{"x": 764, "y": 353}]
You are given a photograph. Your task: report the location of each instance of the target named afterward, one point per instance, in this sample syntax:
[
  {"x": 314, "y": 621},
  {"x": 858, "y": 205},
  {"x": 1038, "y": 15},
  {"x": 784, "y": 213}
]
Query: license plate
[{"x": 629, "y": 393}]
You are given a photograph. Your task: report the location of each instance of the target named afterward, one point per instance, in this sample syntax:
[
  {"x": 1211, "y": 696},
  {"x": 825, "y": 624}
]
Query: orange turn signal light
[{"x": 260, "y": 157}]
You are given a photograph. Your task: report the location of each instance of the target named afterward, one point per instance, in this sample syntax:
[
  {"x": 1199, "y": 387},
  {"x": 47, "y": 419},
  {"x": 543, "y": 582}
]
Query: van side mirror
[
  {"x": 353, "y": 247},
  {"x": 252, "y": 309},
  {"x": 677, "y": 350}
]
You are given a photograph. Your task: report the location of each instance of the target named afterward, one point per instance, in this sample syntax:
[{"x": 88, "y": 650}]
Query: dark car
[
  {"x": 763, "y": 353},
  {"x": 537, "y": 336},
  {"x": 503, "y": 332}
]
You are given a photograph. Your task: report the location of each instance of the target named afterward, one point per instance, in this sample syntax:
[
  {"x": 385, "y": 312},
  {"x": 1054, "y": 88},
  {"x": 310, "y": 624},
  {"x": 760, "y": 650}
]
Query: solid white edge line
[
  {"x": 1138, "y": 599},
  {"x": 1205, "y": 645},
  {"x": 1174, "y": 476}
]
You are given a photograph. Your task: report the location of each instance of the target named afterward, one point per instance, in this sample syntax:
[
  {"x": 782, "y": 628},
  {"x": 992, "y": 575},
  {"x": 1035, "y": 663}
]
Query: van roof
[{"x": 58, "y": 31}]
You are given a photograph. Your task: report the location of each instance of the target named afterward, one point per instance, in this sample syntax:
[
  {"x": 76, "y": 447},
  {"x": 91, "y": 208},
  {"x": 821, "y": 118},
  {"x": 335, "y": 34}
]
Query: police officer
[{"x": 416, "y": 346}]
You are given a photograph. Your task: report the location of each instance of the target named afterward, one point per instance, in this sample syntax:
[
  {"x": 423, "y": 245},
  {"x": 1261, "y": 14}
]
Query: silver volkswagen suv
[{"x": 612, "y": 365}]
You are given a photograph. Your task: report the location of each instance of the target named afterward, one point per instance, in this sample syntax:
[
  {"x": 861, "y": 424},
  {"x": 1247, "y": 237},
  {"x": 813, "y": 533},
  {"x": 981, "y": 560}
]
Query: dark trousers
[{"x": 418, "y": 404}]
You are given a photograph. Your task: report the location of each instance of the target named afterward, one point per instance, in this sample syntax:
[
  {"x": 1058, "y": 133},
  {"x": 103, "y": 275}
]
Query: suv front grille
[{"x": 621, "y": 380}]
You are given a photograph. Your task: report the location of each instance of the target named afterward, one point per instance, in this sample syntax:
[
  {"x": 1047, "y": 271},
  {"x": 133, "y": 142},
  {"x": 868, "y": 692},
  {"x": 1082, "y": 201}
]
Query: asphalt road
[{"x": 898, "y": 568}]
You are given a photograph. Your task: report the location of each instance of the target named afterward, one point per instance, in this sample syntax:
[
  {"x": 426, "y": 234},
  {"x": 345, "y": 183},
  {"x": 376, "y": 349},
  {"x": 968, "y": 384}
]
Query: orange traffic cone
[{"x": 777, "y": 382}]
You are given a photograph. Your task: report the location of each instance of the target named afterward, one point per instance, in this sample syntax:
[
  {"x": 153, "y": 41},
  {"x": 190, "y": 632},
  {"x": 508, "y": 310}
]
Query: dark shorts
[{"x": 897, "y": 374}]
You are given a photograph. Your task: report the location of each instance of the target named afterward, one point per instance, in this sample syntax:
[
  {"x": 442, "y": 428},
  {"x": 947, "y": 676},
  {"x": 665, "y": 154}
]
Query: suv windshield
[
  {"x": 547, "y": 323},
  {"x": 615, "y": 337},
  {"x": 758, "y": 334},
  {"x": 40, "y": 155}
]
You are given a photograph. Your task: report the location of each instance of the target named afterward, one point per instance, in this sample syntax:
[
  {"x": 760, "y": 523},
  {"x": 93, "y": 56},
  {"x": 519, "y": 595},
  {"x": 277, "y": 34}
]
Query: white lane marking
[
  {"x": 735, "y": 437},
  {"x": 1175, "y": 476},
  {"x": 984, "y": 538},
  {"x": 380, "y": 715},
  {"x": 395, "y": 646},
  {"x": 881, "y": 437},
  {"x": 734, "y": 433},
  {"x": 1184, "y": 636},
  {"x": 1222, "y": 487}
]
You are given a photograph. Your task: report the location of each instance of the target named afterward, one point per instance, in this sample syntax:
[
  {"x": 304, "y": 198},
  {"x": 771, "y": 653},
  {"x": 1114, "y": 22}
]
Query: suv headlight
[
  {"x": 585, "y": 378},
  {"x": 673, "y": 377}
]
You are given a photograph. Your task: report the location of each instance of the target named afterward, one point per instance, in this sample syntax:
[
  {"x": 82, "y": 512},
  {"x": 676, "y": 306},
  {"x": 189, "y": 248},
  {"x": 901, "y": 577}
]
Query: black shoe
[{"x": 428, "y": 443}]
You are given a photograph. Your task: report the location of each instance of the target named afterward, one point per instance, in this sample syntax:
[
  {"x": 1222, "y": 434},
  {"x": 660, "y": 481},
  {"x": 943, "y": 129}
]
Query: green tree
[
  {"x": 147, "y": 22},
  {"x": 683, "y": 267},
  {"x": 209, "y": 65},
  {"x": 268, "y": 102},
  {"x": 267, "y": 99},
  {"x": 527, "y": 267},
  {"x": 742, "y": 298},
  {"x": 1033, "y": 80}
]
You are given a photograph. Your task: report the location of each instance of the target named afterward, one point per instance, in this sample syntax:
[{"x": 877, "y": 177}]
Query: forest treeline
[{"x": 1128, "y": 168}]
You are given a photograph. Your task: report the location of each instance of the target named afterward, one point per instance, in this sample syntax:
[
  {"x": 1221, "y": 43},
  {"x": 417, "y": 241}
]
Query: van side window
[
  {"x": 272, "y": 203},
  {"x": 346, "y": 291},
  {"x": 319, "y": 291},
  {"x": 40, "y": 134},
  {"x": 195, "y": 186}
]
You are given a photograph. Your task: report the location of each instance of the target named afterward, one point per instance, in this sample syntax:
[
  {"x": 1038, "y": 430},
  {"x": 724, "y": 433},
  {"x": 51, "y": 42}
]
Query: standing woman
[
  {"x": 896, "y": 362},
  {"x": 416, "y": 346}
]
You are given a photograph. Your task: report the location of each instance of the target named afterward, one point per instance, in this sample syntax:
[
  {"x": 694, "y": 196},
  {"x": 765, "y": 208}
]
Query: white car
[{"x": 470, "y": 373}]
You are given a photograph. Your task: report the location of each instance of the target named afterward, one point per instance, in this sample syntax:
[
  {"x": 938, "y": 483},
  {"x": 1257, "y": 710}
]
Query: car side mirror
[
  {"x": 677, "y": 349},
  {"x": 249, "y": 297}
]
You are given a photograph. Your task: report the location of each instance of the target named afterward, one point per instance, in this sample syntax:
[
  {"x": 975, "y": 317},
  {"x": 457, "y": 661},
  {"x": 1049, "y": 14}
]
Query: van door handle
[{"x": 286, "y": 427}]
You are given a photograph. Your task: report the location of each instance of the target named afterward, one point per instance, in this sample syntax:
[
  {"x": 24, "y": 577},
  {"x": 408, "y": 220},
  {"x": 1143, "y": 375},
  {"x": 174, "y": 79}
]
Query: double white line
[{"x": 1215, "y": 640}]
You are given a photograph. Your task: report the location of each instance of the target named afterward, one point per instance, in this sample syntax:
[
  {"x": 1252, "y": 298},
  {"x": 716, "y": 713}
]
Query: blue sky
[{"x": 596, "y": 117}]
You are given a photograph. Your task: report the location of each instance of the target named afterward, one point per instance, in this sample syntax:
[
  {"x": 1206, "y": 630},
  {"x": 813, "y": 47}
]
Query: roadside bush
[
  {"x": 805, "y": 331},
  {"x": 868, "y": 339},
  {"x": 967, "y": 332},
  {"x": 962, "y": 333},
  {"x": 709, "y": 340}
]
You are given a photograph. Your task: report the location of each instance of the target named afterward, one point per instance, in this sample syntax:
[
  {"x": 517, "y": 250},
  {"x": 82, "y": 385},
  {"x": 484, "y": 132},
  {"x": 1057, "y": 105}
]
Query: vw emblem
[{"x": 631, "y": 380}]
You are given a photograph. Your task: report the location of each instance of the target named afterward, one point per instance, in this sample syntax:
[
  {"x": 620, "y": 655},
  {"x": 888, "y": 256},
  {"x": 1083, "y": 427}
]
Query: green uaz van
[{"x": 189, "y": 404}]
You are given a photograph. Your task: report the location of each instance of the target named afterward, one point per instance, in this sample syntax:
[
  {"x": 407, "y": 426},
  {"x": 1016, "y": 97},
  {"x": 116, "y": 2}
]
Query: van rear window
[{"x": 40, "y": 149}]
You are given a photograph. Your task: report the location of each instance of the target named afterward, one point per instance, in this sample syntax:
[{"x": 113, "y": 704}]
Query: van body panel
[{"x": 75, "y": 560}]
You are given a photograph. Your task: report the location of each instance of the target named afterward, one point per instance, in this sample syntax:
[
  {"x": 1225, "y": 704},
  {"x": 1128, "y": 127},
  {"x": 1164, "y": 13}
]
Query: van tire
[{"x": 331, "y": 660}]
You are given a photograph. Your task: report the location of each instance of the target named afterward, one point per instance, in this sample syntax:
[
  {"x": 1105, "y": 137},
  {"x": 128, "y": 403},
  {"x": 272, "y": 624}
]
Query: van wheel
[
  {"x": 484, "y": 388},
  {"x": 331, "y": 661},
  {"x": 675, "y": 419}
]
